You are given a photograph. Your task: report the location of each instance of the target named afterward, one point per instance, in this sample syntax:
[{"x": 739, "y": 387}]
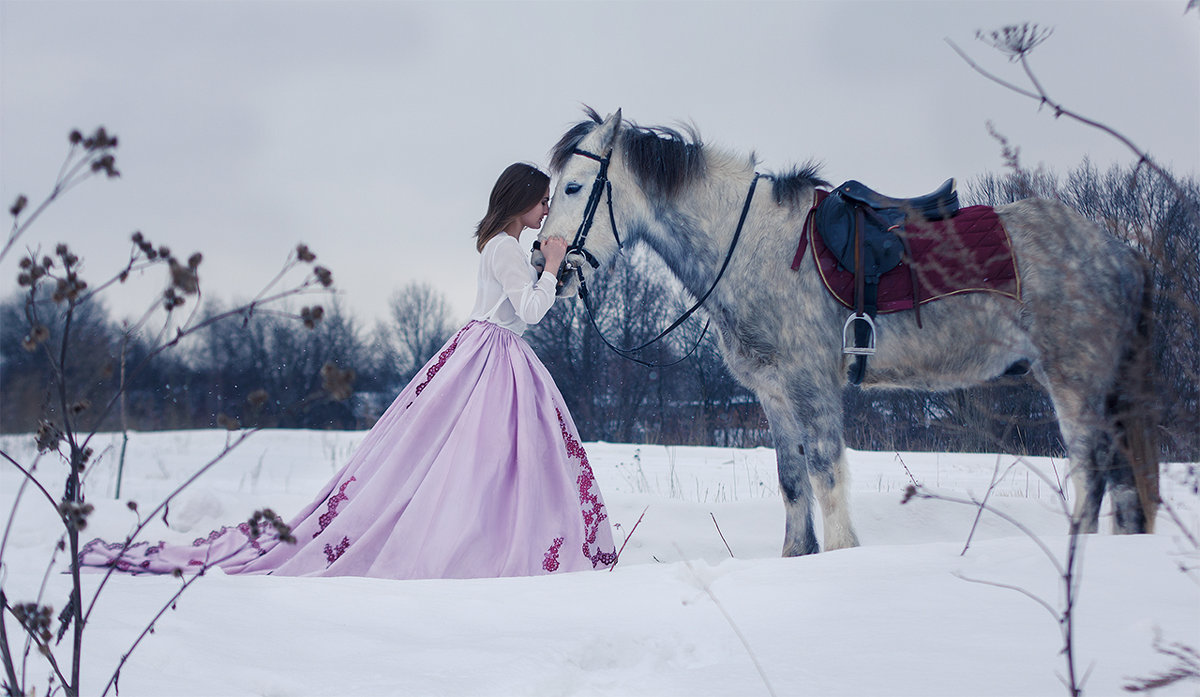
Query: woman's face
[{"x": 533, "y": 217}]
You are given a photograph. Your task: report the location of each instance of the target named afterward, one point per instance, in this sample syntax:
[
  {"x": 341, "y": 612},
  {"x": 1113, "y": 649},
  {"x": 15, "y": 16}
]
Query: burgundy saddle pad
[{"x": 969, "y": 253}]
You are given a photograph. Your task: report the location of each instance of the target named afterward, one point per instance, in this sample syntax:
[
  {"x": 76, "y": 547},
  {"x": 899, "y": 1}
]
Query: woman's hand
[{"x": 554, "y": 249}]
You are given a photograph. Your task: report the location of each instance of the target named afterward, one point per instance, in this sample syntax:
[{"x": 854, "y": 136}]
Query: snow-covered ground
[{"x": 682, "y": 613}]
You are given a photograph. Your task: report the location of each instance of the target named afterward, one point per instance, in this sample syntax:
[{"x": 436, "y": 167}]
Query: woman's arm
[{"x": 530, "y": 299}]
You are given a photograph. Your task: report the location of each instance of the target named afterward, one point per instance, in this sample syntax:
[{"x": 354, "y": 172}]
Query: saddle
[{"x": 865, "y": 232}]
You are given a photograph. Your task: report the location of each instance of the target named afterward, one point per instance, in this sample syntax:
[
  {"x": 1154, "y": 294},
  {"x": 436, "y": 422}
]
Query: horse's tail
[{"x": 1134, "y": 408}]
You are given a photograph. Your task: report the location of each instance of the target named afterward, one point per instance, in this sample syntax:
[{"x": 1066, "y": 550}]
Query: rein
[{"x": 601, "y": 185}]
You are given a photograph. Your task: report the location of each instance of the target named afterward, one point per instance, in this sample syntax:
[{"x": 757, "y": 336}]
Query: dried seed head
[
  {"x": 324, "y": 276},
  {"x": 35, "y": 619},
  {"x": 99, "y": 139},
  {"x": 257, "y": 398},
  {"x": 303, "y": 253},
  {"x": 227, "y": 422},
  {"x": 106, "y": 163},
  {"x": 48, "y": 436},
  {"x": 171, "y": 300},
  {"x": 337, "y": 382},
  {"x": 75, "y": 514},
  {"x": 311, "y": 315},
  {"x": 184, "y": 278}
]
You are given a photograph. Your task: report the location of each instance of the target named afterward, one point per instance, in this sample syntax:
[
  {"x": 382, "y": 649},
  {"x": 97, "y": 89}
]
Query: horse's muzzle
[
  {"x": 536, "y": 258},
  {"x": 567, "y": 284}
]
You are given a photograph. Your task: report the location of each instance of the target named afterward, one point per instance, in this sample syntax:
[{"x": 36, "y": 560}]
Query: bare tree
[{"x": 420, "y": 323}]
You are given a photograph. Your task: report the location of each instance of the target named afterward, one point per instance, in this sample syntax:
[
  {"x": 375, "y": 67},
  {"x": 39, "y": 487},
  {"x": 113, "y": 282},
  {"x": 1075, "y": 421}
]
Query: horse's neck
[{"x": 693, "y": 234}]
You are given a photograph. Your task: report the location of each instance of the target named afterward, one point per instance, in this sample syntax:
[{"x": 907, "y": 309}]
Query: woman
[{"x": 476, "y": 470}]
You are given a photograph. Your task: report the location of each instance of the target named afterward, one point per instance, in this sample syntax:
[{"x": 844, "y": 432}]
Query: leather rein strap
[{"x": 603, "y": 184}]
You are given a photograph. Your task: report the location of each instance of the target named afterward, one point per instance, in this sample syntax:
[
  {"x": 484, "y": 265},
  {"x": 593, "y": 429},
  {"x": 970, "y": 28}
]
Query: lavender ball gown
[{"x": 475, "y": 470}]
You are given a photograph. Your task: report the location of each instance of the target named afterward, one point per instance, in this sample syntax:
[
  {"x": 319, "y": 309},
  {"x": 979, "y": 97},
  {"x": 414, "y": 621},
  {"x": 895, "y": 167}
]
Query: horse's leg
[
  {"x": 834, "y": 495},
  {"x": 1087, "y": 460},
  {"x": 1099, "y": 465},
  {"x": 1085, "y": 306},
  {"x": 806, "y": 425}
]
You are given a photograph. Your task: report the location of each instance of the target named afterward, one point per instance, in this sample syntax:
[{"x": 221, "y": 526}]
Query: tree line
[{"x": 245, "y": 369}]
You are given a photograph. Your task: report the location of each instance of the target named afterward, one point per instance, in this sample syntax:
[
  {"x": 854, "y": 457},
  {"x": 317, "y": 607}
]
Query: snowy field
[{"x": 685, "y": 612}]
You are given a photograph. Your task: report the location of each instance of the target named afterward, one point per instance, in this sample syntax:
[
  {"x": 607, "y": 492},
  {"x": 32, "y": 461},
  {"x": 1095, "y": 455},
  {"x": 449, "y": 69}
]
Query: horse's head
[{"x": 581, "y": 208}]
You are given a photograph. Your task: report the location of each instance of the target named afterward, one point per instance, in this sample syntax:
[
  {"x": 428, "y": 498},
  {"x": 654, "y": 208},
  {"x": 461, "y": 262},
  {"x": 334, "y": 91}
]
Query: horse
[{"x": 1078, "y": 325}]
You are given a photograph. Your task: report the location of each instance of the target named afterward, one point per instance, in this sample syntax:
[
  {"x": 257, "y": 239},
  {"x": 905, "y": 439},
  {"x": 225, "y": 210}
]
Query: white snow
[{"x": 892, "y": 617}]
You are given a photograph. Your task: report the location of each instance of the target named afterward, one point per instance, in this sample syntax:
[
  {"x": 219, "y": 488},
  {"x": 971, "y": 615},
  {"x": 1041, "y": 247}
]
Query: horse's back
[
  {"x": 1068, "y": 261},
  {"x": 1082, "y": 291}
]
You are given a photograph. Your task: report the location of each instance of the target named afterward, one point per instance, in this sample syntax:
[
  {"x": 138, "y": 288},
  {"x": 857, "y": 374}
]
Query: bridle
[{"x": 601, "y": 186}]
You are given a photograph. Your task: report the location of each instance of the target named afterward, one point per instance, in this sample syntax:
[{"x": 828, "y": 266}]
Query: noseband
[{"x": 603, "y": 186}]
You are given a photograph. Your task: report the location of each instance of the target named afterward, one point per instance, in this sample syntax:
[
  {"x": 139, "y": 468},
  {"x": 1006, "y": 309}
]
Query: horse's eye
[{"x": 572, "y": 188}]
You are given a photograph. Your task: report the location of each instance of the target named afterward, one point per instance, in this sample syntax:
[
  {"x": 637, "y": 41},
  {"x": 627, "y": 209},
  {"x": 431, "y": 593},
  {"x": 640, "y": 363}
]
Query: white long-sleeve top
[{"x": 510, "y": 292}]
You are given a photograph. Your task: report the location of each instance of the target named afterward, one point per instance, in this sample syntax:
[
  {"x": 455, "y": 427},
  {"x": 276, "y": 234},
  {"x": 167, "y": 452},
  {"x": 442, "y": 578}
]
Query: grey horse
[{"x": 1078, "y": 324}]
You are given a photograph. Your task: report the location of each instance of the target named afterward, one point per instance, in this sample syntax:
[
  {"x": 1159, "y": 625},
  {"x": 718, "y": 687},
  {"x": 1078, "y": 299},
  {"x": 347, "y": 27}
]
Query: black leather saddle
[
  {"x": 882, "y": 219},
  {"x": 938, "y": 205},
  {"x": 864, "y": 230}
]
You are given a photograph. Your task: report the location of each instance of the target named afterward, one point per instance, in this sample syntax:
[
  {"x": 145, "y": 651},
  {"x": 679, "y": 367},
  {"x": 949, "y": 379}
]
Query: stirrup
[{"x": 848, "y": 344}]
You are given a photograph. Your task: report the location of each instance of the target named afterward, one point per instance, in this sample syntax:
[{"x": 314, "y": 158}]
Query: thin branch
[
  {"x": 1042, "y": 97},
  {"x": 987, "y": 495},
  {"x": 162, "y": 505},
  {"x": 5, "y": 653},
  {"x": 1028, "y": 594},
  {"x": 29, "y": 477},
  {"x": 732, "y": 625},
  {"x": 1179, "y": 522},
  {"x": 169, "y": 605},
  {"x": 631, "y": 531},
  {"x": 1019, "y": 90},
  {"x": 714, "y": 519},
  {"x": 921, "y": 492}
]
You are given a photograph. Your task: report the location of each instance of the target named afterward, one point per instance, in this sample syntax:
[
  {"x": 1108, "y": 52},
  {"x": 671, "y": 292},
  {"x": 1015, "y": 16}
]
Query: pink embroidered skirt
[{"x": 476, "y": 470}]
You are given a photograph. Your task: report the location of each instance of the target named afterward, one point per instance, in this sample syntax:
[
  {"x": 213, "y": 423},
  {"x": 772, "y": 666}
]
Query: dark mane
[
  {"x": 789, "y": 188},
  {"x": 566, "y": 145},
  {"x": 664, "y": 160}
]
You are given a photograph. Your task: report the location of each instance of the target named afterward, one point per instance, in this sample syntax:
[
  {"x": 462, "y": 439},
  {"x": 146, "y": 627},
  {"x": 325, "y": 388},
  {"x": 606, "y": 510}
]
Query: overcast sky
[{"x": 373, "y": 131}]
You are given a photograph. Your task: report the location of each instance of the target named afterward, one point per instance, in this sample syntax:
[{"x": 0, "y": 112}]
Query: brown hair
[{"x": 519, "y": 187}]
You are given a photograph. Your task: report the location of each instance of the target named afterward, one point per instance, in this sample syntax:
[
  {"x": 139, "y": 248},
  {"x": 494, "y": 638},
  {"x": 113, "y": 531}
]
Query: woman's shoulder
[
  {"x": 503, "y": 244},
  {"x": 502, "y": 239}
]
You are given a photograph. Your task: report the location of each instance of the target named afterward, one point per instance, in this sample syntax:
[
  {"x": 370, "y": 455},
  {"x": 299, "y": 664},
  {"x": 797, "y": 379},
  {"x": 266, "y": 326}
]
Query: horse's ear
[{"x": 608, "y": 129}]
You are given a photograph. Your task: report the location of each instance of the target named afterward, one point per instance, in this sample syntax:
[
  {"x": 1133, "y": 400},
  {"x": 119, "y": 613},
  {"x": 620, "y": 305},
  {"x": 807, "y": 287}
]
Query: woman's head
[{"x": 520, "y": 188}]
